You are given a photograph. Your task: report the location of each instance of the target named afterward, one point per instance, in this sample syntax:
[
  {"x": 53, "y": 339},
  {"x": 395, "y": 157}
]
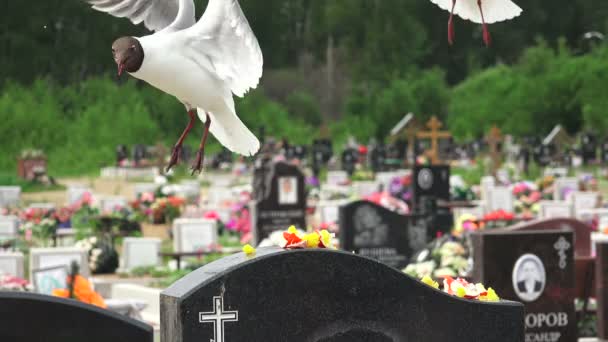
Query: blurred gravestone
[
  {"x": 376, "y": 232},
  {"x": 280, "y": 199},
  {"x": 349, "y": 160},
  {"x": 35, "y": 317}
]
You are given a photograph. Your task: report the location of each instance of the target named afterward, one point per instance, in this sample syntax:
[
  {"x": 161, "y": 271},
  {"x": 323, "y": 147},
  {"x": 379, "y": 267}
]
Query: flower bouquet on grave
[
  {"x": 103, "y": 258},
  {"x": 445, "y": 256},
  {"x": 166, "y": 209},
  {"x": 463, "y": 289},
  {"x": 11, "y": 283},
  {"x": 83, "y": 218},
  {"x": 298, "y": 239},
  {"x": 80, "y": 289},
  {"x": 462, "y": 193},
  {"x": 498, "y": 219},
  {"x": 527, "y": 196},
  {"x": 467, "y": 223},
  {"x": 39, "y": 233}
]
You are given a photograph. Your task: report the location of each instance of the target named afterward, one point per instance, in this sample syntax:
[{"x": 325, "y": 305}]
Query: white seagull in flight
[
  {"x": 478, "y": 11},
  {"x": 200, "y": 63}
]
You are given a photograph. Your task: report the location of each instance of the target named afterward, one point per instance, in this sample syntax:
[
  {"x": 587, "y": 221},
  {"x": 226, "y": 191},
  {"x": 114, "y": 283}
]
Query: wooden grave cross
[{"x": 434, "y": 134}]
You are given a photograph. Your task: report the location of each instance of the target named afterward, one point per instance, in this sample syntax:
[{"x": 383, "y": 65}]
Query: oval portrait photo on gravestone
[
  {"x": 425, "y": 179},
  {"x": 529, "y": 277}
]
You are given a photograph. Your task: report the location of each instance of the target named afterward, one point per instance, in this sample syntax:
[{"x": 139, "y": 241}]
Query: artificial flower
[
  {"x": 430, "y": 282},
  {"x": 249, "y": 250}
]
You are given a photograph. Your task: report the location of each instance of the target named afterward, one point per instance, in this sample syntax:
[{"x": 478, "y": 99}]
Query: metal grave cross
[{"x": 218, "y": 317}]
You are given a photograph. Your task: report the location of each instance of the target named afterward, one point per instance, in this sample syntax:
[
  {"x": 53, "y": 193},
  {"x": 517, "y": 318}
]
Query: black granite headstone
[
  {"x": 139, "y": 153},
  {"x": 319, "y": 295},
  {"x": 31, "y": 317},
  {"x": 589, "y": 147},
  {"x": 374, "y": 231},
  {"x": 280, "y": 195},
  {"x": 122, "y": 153},
  {"x": 378, "y": 158},
  {"x": 431, "y": 182},
  {"x": 604, "y": 152},
  {"x": 536, "y": 268},
  {"x": 349, "y": 160}
]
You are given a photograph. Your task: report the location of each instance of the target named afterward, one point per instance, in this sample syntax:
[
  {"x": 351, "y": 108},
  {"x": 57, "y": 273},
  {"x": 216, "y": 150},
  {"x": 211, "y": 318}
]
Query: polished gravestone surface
[
  {"x": 535, "y": 267},
  {"x": 322, "y": 295},
  {"x": 33, "y": 317},
  {"x": 280, "y": 199},
  {"x": 376, "y": 232},
  {"x": 431, "y": 182}
]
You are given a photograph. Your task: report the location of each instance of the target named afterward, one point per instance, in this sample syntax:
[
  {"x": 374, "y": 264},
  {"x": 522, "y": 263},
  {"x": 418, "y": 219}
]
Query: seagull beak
[{"x": 121, "y": 67}]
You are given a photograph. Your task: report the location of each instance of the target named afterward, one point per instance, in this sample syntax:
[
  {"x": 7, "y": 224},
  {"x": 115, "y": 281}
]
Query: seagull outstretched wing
[
  {"x": 224, "y": 38},
  {"x": 157, "y": 15}
]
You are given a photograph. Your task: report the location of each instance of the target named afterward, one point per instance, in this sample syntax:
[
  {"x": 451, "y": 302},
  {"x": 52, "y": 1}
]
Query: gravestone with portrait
[
  {"x": 35, "y": 317},
  {"x": 537, "y": 268},
  {"x": 431, "y": 182},
  {"x": 374, "y": 231},
  {"x": 320, "y": 295},
  {"x": 280, "y": 199}
]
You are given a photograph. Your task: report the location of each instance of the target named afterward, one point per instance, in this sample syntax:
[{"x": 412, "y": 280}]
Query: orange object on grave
[{"x": 82, "y": 291}]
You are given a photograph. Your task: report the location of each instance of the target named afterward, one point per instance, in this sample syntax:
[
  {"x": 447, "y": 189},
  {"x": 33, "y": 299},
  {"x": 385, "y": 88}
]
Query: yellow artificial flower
[
  {"x": 249, "y": 250},
  {"x": 326, "y": 238},
  {"x": 292, "y": 230},
  {"x": 461, "y": 292},
  {"x": 490, "y": 297},
  {"x": 312, "y": 240},
  {"x": 430, "y": 282}
]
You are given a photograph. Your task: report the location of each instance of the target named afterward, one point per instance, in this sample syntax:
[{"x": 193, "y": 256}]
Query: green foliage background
[{"x": 389, "y": 57}]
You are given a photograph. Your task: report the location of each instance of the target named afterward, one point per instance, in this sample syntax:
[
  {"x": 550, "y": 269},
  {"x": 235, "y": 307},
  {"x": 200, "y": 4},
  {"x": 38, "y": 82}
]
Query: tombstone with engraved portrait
[
  {"x": 374, "y": 231},
  {"x": 431, "y": 182},
  {"x": 535, "y": 267},
  {"x": 280, "y": 199}
]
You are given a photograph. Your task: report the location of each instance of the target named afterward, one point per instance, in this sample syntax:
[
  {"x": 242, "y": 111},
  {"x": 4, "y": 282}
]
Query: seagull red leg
[
  {"x": 451, "y": 34},
  {"x": 200, "y": 154},
  {"x": 487, "y": 39},
  {"x": 177, "y": 149}
]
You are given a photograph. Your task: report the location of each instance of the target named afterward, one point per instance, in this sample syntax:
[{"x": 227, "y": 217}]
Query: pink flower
[
  {"x": 147, "y": 197},
  {"x": 212, "y": 215},
  {"x": 87, "y": 198}
]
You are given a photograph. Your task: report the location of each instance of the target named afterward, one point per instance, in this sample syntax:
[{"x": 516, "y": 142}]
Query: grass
[{"x": 8, "y": 179}]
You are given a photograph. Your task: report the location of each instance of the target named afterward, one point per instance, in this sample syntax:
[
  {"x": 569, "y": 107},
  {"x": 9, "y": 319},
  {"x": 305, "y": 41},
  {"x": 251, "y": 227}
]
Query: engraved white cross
[
  {"x": 562, "y": 246},
  {"x": 218, "y": 317}
]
